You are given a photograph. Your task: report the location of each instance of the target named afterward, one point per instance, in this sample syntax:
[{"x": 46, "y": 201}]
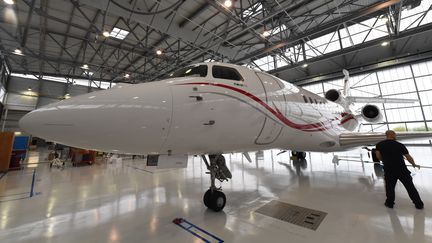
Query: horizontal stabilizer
[
  {"x": 356, "y": 99},
  {"x": 361, "y": 139}
]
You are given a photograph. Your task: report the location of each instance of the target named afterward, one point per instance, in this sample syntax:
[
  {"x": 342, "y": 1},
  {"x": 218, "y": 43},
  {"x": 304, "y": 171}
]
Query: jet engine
[
  {"x": 371, "y": 113},
  {"x": 333, "y": 95}
]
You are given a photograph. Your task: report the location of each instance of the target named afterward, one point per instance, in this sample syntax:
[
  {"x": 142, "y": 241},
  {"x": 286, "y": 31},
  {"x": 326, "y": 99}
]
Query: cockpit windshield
[{"x": 191, "y": 71}]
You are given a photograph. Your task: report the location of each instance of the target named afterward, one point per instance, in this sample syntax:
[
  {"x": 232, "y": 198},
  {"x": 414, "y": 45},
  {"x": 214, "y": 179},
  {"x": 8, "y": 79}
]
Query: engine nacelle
[
  {"x": 333, "y": 95},
  {"x": 371, "y": 113}
]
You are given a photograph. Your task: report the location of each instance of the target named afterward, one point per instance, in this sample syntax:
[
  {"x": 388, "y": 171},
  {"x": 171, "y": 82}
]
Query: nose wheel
[{"x": 214, "y": 198}]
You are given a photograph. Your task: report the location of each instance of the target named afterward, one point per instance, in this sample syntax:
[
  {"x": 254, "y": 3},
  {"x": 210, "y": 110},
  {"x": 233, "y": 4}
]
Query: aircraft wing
[
  {"x": 355, "y": 139},
  {"x": 356, "y": 99}
]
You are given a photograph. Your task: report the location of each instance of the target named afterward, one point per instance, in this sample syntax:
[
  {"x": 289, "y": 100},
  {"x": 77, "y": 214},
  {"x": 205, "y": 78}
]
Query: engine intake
[
  {"x": 333, "y": 95},
  {"x": 371, "y": 113}
]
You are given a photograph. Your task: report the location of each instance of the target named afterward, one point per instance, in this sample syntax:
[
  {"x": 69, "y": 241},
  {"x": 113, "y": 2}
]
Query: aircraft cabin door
[{"x": 271, "y": 128}]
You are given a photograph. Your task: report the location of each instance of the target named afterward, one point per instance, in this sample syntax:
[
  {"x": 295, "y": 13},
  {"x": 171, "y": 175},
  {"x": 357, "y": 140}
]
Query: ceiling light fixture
[
  {"x": 18, "y": 52},
  {"x": 385, "y": 43},
  {"x": 159, "y": 52},
  {"x": 127, "y": 75},
  {"x": 85, "y": 66},
  {"x": 305, "y": 65},
  {"x": 29, "y": 89},
  {"x": 106, "y": 33},
  {"x": 228, "y": 3},
  {"x": 10, "y": 2},
  {"x": 266, "y": 33}
]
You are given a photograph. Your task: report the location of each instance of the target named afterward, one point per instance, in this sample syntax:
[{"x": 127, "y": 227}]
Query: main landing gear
[
  {"x": 214, "y": 198},
  {"x": 298, "y": 155}
]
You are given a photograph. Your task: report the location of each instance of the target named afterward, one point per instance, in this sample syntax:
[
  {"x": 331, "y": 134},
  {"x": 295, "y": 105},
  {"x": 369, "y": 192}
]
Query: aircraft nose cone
[{"x": 133, "y": 119}]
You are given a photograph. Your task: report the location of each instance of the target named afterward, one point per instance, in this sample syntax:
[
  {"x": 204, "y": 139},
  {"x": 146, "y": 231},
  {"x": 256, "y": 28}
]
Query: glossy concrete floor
[{"x": 127, "y": 202}]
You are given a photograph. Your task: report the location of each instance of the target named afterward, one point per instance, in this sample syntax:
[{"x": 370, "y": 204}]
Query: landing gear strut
[{"x": 214, "y": 198}]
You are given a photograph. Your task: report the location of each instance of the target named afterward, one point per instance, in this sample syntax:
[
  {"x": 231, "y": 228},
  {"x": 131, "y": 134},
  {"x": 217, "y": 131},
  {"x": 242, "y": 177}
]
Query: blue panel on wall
[{"x": 21, "y": 142}]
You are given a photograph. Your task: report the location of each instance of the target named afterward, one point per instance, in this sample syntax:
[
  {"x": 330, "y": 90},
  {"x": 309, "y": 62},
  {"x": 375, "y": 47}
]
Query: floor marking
[
  {"x": 304, "y": 217},
  {"x": 31, "y": 193},
  {"x": 197, "y": 231},
  {"x": 3, "y": 174}
]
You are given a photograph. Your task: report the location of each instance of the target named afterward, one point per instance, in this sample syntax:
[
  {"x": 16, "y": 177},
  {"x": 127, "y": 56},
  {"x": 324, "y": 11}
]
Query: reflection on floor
[{"x": 120, "y": 203}]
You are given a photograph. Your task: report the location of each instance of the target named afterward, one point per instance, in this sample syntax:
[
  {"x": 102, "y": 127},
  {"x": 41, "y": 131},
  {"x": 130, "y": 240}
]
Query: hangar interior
[{"x": 53, "y": 50}]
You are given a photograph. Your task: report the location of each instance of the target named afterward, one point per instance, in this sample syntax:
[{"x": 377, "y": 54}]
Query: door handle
[
  {"x": 209, "y": 123},
  {"x": 197, "y": 97}
]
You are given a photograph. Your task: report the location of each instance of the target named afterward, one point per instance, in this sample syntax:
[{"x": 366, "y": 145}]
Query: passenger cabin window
[
  {"x": 226, "y": 73},
  {"x": 191, "y": 71}
]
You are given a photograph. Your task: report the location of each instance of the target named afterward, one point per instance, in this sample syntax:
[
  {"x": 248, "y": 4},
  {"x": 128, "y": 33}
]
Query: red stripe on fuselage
[{"x": 320, "y": 126}]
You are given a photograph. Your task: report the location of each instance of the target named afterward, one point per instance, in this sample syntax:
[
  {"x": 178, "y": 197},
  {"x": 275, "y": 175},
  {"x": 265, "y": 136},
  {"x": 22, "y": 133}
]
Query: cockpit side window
[
  {"x": 191, "y": 71},
  {"x": 226, "y": 73}
]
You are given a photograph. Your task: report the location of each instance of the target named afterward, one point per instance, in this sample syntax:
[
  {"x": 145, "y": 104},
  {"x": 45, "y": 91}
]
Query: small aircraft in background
[{"x": 209, "y": 109}]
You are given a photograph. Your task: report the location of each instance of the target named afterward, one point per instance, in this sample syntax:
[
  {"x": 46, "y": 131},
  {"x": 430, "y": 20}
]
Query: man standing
[{"x": 392, "y": 154}]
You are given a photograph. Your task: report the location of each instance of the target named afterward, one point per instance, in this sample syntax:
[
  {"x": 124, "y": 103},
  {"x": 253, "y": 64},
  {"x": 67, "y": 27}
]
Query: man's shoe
[
  {"x": 419, "y": 206},
  {"x": 388, "y": 205}
]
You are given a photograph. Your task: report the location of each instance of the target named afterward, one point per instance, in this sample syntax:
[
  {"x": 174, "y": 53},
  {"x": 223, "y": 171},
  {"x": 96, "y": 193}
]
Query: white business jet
[{"x": 209, "y": 109}]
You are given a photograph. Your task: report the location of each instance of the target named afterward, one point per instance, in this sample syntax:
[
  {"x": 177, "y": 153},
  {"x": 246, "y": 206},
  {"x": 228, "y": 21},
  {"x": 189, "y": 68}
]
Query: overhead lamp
[
  {"x": 29, "y": 89},
  {"x": 385, "y": 43},
  {"x": 228, "y": 3},
  {"x": 159, "y": 52},
  {"x": 305, "y": 65},
  {"x": 18, "y": 52},
  {"x": 85, "y": 66},
  {"x": 266, "y": 33},
  {"x": 10, "y": 2},
  {"x": 106, "y": 33},
  {"x": 127, "y": 75},
  {"x": 67, "y": 94}
]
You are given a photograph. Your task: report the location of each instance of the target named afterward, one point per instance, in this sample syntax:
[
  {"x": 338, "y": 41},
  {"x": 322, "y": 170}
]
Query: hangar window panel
[
  {"x": 81, "y": 82},
  {"x": 424, "y": 83},
  {"x": 314, "y": 88},
  {"x": 226, "y": 73},
  {"x": 2, "y": 94},
  {"x": 365, "y": 128},
  {"x": 105, "y": 85},
  {"x": 429, "y": 126},
  {"x": 335, "y": 84},
  {"x": 428, "y": 18},
  {"x": 362, "y": 80},
  {"x": 346, "y": 42},
  {"x": 280, "y": 62},
  {"x": 416, "y": 126},
  {"x": 396, "y": 73},
  {"x": 398, "y": 127},
  {"x": 379, "y": 127},
  {"x": 265, "y": 63},
  {"x": 365, "y": 91},
  {"x": 426, "y": 97},
  {"x": 428, "y": 112},
  {"x": 423, "y": 68},
  {"x": 398, "y": 87}
]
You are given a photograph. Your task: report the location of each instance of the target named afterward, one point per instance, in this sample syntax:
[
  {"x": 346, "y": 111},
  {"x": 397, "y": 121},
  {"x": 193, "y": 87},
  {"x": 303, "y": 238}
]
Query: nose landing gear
[{"x": 214, "y": 198}]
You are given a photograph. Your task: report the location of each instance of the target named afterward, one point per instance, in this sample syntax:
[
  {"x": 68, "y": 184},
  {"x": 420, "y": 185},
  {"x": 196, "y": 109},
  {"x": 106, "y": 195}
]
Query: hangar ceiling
[{"x": 118, "y": 40}]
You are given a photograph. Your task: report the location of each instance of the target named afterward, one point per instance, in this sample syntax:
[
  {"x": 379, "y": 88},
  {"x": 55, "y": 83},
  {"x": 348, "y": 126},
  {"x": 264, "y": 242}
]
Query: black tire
[
  {"x": 218, "y": 201},
  {"x": 207, "y": 198},
  {"x": 214, "y": 200}
]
